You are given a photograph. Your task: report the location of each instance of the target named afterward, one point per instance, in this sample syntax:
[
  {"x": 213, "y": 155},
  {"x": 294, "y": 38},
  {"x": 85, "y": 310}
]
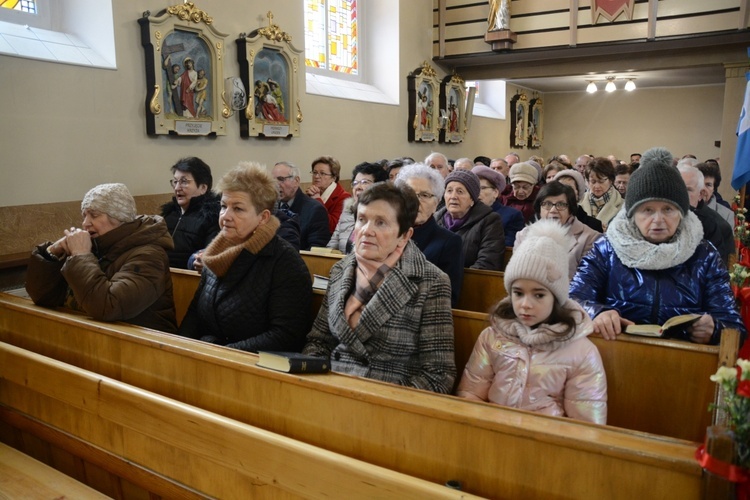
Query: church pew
[
  {"x": 23, "y": 477},
  {"x": 493, "y": 451},
  {"x": 320, "y": 263},
  {"x": 209, "y": 453},
  {"x": 631, "y": 363}
]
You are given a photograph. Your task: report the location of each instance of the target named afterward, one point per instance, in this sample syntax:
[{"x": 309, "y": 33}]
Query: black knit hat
[
  {"x": 468, "y": 179},
  {"x": 656, "y": 180}
]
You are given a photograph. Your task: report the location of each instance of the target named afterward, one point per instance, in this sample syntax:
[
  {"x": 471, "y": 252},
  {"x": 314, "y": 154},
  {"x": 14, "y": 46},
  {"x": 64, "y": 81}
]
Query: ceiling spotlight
[
  {"x": 591, "y": 88},
  {"x": 630, "y": 86},
  {"x": 610, "y": 87}
]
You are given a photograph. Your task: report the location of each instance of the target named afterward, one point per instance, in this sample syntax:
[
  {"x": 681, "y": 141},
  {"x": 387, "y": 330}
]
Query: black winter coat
[
  {"x": 193, "y": 230},
  {"x": 262, "y": 303}
]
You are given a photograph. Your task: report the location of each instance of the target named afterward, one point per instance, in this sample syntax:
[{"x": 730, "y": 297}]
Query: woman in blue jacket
[{"x": 654, "y": 263}]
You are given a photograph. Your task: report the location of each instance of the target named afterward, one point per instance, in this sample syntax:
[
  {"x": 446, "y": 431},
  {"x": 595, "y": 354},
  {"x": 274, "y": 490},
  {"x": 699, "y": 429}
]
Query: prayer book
[
  {"x": 293, "y": 362},
  {"x": 320, "y": 282},
  {"x": 683, "y": 321}
]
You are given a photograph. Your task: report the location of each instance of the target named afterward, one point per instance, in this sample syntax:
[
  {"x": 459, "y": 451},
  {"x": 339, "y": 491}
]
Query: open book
[
  {"x": 292, "y": 362},
  {"x": 683, "y": 321}
]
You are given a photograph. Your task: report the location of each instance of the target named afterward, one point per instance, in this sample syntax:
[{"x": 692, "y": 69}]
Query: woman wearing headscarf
[
  {"x": 479, "y": 227},
  {"x": 255, "y": 291},
  {"x": 386, "y": 314},
  {"x": 114, "y": 268},
  {"x": 653, "y": 262}
]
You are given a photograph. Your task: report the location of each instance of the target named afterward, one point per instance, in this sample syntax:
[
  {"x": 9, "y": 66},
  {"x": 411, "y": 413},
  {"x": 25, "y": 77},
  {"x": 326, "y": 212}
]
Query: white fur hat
[
  {"x": 542, "y": 256},
  {"x": 111, "y": 199}
]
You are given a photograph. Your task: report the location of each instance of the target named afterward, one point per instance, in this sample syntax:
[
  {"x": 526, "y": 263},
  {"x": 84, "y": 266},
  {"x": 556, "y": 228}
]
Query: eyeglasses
[
  {"x": 184, "y": 181},
  {"x": 363, "y": 183},
  {"x": 315, "y": 173},
  {"x": 560, "y": 205},
  {"x": 425, "y": 196},
  {"x": 282, "y": 179}
]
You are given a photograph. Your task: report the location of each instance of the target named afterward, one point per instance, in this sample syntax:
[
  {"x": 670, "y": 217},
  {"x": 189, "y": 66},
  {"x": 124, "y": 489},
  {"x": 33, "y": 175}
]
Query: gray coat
[
  {"x": 405, "y": 333},
  {"x": 483, "y": 237}
]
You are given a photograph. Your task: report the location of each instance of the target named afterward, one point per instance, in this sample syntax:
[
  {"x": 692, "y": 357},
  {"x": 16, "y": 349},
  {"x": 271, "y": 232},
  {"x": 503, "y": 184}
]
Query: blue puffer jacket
[{"x": 699, "y": 285}]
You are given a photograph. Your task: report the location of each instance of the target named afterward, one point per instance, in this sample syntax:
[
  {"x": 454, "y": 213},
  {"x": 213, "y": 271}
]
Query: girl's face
[{"x": 532, "y": 302}]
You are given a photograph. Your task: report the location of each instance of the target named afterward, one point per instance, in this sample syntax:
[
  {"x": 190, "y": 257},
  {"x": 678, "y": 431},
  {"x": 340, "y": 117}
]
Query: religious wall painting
[
  {"x": 536, "y": 123},
  {"x": 452, "y": 109},
  {"x": 269, "y": 68},
  {"x": 424, "y": 104},
  {"x": 519, "y": 111},
  {"x": 184, "y": 72}
]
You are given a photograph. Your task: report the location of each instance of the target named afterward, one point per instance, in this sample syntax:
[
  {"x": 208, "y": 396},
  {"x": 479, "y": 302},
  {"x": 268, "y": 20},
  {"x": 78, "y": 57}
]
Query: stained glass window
[
  {"x": 22, "y": 5},
  {"x": 331, "y": 35}
]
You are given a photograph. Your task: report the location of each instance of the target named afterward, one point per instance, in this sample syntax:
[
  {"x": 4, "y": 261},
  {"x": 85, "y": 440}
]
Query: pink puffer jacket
[{"x": 538, "y": 370}]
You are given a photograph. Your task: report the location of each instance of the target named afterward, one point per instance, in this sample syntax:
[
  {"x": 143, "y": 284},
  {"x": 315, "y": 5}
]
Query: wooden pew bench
[
  {"x": 23, "y": 477},
  {"x": 494, "y": 451},
  {"x": 643, "y": 375},
  {"x": 206, "y": 452}
]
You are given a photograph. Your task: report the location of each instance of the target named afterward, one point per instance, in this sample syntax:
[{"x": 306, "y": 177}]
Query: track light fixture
[
  {"x": 610, "y": 86},
  {"x": 591, "y": 88},
  {"x": 630, "y": 85}
]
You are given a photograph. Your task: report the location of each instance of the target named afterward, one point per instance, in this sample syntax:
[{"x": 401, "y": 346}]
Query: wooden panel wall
[{"x": 547, "y": 23}]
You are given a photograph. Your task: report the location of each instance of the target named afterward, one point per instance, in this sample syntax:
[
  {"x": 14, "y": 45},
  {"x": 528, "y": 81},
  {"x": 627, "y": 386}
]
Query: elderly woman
[
  {"x": 602, "y": 200},
  {"x": 326, "y": 189},
  {"x": 548, "y": 173},
  {"x": 386, "y": 314},
  {"x": 114, "y": 268},
  {"x": 480, "y": 228},
  {"x": 556, "y": 201},
  {"x": 364, "y": 175},
  {"x": 491, "y": 184},
  {"x": 440, "y": 246},
  {"x": 193, "y": 214},
  {"x": 255, "y": 290},
  {"x": 574, "y": 180},
  {"x": 653, "y": 262},
  {"x": 523, "y": 180}
]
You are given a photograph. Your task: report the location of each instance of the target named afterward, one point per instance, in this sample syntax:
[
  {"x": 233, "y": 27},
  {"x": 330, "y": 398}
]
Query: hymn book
[
  {"x": 293, "y": 362},
  {"x": 683, "y": 320}
]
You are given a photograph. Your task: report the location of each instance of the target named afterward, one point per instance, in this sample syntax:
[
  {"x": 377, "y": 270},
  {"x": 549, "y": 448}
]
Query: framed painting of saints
[
  {"x": 453, "y": 109},
  {"x": 424, "y": 103},
  {"x": 184, "y": 72},
  {"x": 536, "y": 123},
  {"x": 519, "y": 112},
  {"x": 270, "y": 70}
]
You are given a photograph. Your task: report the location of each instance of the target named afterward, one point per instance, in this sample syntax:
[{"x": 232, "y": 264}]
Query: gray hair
[
  {"x": 422, "y": 171},
  {"x": 435, "y": 154},
  {"x": 463, "y": 161},
  {"x": 292, "y": 167},
  {"x": 685, "y": 168}
]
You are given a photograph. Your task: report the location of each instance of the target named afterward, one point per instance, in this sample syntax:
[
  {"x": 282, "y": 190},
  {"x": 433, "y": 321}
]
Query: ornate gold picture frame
[
  {"x": 424, "y": 102},
  {"x": 184, "y": 72},
  {"x": 519, "y": 113},
  {"x": 453, "y": 109},
  {"x": 536, "y": 123},
  {"x": 270, "y": 70}
]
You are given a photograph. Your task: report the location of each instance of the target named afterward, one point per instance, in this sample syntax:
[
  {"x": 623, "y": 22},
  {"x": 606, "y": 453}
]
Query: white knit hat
[
  {"x": 111, "y": 199},
  {"x": 542, "y": 256}
]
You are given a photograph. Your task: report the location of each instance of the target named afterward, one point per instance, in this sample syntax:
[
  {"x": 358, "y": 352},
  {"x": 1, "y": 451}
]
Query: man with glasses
[{"x": 313, "y": 217}]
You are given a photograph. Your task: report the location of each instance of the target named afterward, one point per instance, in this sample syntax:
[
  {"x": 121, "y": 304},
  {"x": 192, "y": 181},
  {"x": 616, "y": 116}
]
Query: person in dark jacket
[
  {"x": 440, "y": 246},
  {"x": 193, "y": 214},
  {"x": 653, "y": 263},
  {"x": 313, "y": 218},
  {"x": 255, "y": 291},
  {"x": 524, "y": 178},
  {"x": 491, "y": 184},
  {"x": 480, "y": 228},
  {"x": 114, "y": 268}
]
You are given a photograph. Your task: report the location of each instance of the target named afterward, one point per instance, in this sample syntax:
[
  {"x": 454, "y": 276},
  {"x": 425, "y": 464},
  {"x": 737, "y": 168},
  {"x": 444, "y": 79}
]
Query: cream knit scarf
[{"x": 221, "y": 253}]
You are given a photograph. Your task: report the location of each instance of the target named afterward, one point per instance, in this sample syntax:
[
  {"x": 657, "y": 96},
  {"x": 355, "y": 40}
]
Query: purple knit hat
[{"x": 468, "y": 179}]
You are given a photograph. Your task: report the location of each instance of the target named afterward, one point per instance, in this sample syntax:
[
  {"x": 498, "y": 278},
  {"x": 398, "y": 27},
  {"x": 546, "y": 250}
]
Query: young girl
[{"x": 536, "y": 356}]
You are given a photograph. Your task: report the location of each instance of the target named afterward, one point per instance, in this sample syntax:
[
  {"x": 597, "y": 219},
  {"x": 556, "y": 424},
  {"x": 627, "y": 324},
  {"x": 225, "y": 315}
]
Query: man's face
[
  {"x": 511, "y": 160},
  {"x": 581, "y": 163},
  {"x": 710, "y": 186},
  {"x": 500, "y": 165},
  {"x": 286, "y": 181},
  {"x": 691, "y": 182},
  {"x": 440, "y": 165}
]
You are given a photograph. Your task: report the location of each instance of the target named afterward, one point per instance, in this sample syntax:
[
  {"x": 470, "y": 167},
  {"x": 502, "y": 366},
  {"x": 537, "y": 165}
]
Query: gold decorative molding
[
  {"x": 299, "y": 113},
  {"x": 273, "y": 32},
  {"x": 428, "y": 70},
  {"x": 251, "y": 57},
  {"x": 226, "y": 111},
  {"x": 154, "y": 104},
  {"x": 457, "y": 79},
  {"x": 189, "y": 12},
  {"x": 294, "y": 64},
  {"x": 219, "y": 51},
  {"x": 157, "y": 35}
]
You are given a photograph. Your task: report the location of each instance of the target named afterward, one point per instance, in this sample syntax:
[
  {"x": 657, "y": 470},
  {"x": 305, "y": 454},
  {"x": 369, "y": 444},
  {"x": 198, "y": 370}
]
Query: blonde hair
[
  {"x": 332, "y": 162},
  {"x": 251, "y": 178}
]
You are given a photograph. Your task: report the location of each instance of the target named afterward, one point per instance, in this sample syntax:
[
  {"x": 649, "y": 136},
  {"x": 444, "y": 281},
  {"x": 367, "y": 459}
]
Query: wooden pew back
[
  {"x": 657, "y": 386},
  {"x": 202, "y": 450},
  {"x": 494, "y": 451}
]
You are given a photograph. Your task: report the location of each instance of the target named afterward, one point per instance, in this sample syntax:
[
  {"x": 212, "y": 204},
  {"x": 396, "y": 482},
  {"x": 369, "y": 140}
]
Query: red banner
[{"x": 611, "y": 9}]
